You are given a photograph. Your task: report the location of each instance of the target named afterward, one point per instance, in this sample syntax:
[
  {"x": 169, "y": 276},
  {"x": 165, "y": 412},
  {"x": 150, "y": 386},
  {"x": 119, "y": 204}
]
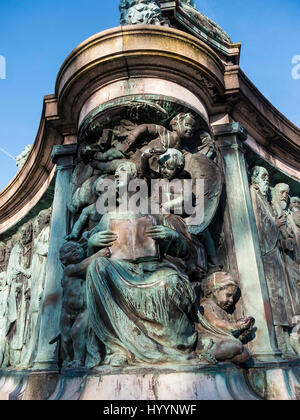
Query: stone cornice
[
  {"x": 137, "y": 51},
  {"x": 271, "y": 129},
  {"x": 33, "y": 179}
]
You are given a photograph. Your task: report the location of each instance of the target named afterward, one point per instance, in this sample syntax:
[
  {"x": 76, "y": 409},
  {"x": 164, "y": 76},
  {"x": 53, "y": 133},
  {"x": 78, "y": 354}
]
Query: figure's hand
[
  {"x": 162, "y": 233},
  {"x": 103, "y": 239},
  {"x": 105, "y": 252},
  {"x": 281, "y": 220},
  {"x": 147, "y": 154},
  {"x": 71, "y": 237},
  {"x": 245, "y": 323}
]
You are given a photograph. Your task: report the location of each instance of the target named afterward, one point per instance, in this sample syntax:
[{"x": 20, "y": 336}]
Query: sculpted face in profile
[
  {"x": 260, "y": 178},
  {"x": 2, "y": 254},
  {"x": 124, "y": 174},
  {"x": 42, "y": 221}
]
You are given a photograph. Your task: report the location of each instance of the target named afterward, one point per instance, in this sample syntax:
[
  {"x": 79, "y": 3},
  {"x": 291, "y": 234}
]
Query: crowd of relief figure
[
  {"x": 22, "y": 275},
  {"x": 131, "y": 280},
  {"x": 144, "y": 288}
]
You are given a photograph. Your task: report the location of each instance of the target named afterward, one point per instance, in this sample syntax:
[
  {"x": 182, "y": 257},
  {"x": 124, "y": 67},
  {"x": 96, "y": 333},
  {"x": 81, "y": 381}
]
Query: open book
[{"x": 133, "y": 242}]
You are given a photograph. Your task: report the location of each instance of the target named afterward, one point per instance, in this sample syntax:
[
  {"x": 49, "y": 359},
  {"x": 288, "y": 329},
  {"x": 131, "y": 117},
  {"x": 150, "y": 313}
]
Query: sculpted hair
[
  {"x": 217, "y": 281},
  {"x": 175, "y": 156},
  {"x": 254, "y": 173},
  {"x": 130, "y": 168},
  {"x": 275, "y": 190},
  {"x": 73, "y": 245},
  {"x": 181, "y": 117}
]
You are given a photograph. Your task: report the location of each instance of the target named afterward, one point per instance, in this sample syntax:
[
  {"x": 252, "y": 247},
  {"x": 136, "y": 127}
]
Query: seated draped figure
[{"x": 140, "y": 298}]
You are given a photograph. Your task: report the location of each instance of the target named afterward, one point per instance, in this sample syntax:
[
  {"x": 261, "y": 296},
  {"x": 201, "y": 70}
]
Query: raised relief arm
[
  {"x": 80, "y": 269},
  {"x": 144, "y": 130}
]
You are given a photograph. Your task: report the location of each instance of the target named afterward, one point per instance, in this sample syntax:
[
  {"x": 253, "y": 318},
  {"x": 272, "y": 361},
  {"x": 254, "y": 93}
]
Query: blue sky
[{"x": 36, "y": 36}]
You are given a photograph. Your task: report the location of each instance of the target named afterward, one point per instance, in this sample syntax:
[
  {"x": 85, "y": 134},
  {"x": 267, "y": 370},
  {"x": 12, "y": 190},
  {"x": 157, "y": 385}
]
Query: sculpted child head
[
  {"x": 221, "y": 288},
  {"x": 71, "y": 253},
  {"x": 171, "y": 163},
  {"x": 184, "y": 125}
]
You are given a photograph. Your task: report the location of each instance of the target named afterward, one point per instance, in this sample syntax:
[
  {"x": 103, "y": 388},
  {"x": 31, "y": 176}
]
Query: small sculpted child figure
[
  {"x": 182, "y": 136},
  {"x": 89, "y": 216},
  {"x": 74, "y": 316},
  {"x": 165, "y": 164},
  {"x": 169, "y": 163},
  {"x": 219, "y": 334},
  {"x": 183, "y": 129}
]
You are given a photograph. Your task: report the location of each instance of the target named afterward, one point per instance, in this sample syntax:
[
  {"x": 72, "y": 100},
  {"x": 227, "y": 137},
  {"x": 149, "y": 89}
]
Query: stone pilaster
[
  {"x": 47, "y": 356},
  {"x": 240, "y": 216}
]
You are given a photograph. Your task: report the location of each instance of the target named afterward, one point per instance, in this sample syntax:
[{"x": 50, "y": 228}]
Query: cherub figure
[
  {"x": 74, "y": 315},
  {"x": 165, "y": 164},
  {"x": 162, "y": 163},
  {"x": 220, "y": 336},
  {"x": 89, "y": 215},
  {"x": 183, "y": 128}
]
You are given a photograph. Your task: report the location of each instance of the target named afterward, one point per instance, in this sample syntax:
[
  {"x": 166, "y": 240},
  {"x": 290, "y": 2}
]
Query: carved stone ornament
[
  {"x": 134, "y": 12},
  {"x": 208, "y": 26},
  {"x": 21, "y": 158}
]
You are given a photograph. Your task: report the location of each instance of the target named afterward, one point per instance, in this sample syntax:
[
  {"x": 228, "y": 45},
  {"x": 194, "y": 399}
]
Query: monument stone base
[{"x": 224, "y": 382}]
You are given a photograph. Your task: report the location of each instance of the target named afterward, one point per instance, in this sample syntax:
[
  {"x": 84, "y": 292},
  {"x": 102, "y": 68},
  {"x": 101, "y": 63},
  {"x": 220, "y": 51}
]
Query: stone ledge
[
  {"x": 271, "y": 381},
  {"x": 222, "y": 382}
]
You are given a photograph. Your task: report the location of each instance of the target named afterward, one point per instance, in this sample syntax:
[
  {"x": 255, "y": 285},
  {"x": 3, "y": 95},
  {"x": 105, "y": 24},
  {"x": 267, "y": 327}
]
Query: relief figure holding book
[{"x": 140, "y": 298}]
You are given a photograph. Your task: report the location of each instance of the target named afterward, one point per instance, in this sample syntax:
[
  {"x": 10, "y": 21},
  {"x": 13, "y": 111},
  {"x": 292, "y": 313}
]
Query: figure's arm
[
  {"x": 111, "y": 154},
  {"x": 151, "y": 130},
  {"x": 145, "y": 167},
  {"x": 81, "y": 222},
  {"x": 25, "y": 271},
  {"x": 231, "y": 327},
  {"x": 208, "y": 146},
  {"x": 103, "y": 239},
  {"x": 217, "y": 321},
  {"x": 81, "y": 268},
  {"x": 174, "y": 244}
]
